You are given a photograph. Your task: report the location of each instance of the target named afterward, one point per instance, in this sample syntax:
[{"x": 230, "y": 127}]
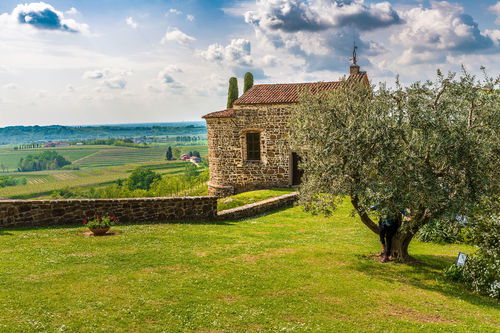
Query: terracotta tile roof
[
  {"x": 228, "y": 113},
  {"x": 288, "y": 92}
]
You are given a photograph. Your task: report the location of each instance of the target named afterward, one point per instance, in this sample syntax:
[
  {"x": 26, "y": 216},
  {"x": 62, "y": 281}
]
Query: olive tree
[{"x": 431, "y": 149}]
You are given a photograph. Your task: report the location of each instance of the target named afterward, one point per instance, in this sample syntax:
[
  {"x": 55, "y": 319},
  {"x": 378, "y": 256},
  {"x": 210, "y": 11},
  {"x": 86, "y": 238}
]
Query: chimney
[{"x": 354, "y": 69}]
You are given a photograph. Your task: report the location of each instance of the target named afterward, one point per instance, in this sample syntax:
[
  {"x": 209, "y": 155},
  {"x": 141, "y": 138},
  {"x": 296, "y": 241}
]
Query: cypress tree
[
  {"x": 248, "y": 82},
  {"x": 169, "y": 154},
  {"x": 232, "y": 93}
]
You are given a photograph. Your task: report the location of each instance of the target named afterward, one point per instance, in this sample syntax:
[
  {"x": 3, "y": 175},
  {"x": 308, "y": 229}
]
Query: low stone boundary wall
[
  {"x": 258, "y": 207},
  {"x": 32, "y": 213}
]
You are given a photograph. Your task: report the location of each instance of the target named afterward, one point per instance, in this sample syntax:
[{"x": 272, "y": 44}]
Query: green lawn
[
  {"x": 250, "y": 197},
  {"x": 286, "y": 271}
]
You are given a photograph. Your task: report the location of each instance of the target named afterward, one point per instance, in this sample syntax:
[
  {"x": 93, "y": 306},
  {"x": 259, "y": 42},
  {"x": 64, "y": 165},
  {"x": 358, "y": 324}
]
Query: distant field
[
  {"x": 110, "y": 157},
  {"x": 99, "y": 165},
  {"x": 97, "y": 156},
  {"x": 43, "y": 182},
  {"x": 10, "y": 157}
]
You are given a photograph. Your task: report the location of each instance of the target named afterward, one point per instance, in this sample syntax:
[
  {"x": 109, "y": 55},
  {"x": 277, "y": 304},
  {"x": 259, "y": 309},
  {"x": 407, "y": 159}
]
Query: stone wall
[
  {"x": 32, "y": 213},
  {"x": 230, "y": 172},
  {"x": 258, "y": 207}
]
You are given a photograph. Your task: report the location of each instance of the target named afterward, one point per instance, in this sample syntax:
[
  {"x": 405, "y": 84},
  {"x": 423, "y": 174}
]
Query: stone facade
[
  {"x": 264, "y": 109},
  {"x": 32, "y": 213},
  {"x": 230, "y": 171}
]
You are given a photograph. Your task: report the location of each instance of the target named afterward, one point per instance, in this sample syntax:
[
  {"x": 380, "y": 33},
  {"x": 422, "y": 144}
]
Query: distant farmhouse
[{"x": 248, "y": 146}]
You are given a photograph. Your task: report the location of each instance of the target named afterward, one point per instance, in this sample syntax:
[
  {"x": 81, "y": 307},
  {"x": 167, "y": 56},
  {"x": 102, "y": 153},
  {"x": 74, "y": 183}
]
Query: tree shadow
[
  {"x": 270, "y": 212},
  {"x": 423, "y": 272},
  {"x": 4, "y": 231}
]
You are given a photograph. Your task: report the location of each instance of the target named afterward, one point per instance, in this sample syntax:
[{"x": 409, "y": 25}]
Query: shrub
[
  {"x": 444, "y": 231},
  {"x": 97, "y": 222},
  {"x": 142, "y": 178},
  {"x": 481, "y": 271},
  {"x": 11, "y": 181}
]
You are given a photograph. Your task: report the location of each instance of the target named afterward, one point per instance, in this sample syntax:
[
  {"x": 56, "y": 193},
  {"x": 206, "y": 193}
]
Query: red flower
[{"x": 84, "y": 221}]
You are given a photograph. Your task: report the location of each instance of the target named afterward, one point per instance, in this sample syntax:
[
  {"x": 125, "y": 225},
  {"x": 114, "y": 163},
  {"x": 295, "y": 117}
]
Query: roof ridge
[{"x": 292, "y": 83}]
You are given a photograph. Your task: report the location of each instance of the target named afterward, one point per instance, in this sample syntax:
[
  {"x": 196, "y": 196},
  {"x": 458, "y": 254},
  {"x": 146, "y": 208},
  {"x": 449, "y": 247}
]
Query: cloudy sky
[{"x": 123, "y": 61}]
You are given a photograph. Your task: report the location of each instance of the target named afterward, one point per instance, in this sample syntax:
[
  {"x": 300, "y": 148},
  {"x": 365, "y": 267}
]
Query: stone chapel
[{"x": 248, "y": 146}]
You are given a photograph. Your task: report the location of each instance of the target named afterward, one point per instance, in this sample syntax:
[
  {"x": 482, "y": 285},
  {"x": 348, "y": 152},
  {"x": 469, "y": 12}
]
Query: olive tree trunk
[{"x": 400, "y": 241}]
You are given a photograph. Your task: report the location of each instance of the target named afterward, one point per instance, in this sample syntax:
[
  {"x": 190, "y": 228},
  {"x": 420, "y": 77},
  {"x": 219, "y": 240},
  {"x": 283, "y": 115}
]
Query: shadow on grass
[
  {"x": 274, "y": 211},
  {"x": 423, "y": 273},
  {"x": 5, "y": 231}
]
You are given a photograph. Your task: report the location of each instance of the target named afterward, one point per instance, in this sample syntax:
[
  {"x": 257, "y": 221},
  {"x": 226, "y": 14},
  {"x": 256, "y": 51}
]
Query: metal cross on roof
[{"x": 354, "y": 58}]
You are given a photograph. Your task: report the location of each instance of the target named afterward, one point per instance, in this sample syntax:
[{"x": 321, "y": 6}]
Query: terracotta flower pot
[{"x": 99, "y": 231}]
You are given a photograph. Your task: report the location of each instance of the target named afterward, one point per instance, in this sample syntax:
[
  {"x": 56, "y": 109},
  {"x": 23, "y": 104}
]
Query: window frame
[{"x": 253, "y": 147}]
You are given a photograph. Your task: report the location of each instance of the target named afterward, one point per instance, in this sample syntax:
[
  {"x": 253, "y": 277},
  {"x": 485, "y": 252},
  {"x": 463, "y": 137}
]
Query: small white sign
[{"x": 461, "y": 259}]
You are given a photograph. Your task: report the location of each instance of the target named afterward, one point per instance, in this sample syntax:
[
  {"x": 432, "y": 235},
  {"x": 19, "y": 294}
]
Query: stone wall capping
[
  {"x": 258, "y": 207},
  {"x": 31, "y": 213}
]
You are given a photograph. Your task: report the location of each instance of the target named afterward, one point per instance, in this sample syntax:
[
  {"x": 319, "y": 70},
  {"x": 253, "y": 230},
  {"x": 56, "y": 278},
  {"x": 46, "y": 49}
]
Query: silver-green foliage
[{"x": 431, "y": 148}]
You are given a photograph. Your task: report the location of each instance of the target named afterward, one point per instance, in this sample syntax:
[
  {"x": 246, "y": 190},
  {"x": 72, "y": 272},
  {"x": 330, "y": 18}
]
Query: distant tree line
[
  {"x": 23, "y": 134},
  {"x": 28, "y": 146},
  {"x": 116, "y": 142},
  {"x": 47, "y": 160},
  {"x": 188, "y": 138}
]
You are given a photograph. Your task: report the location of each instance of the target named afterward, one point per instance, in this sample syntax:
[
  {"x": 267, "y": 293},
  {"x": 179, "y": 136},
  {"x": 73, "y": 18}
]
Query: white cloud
[
  {"x": 238, "y": 52},
  {"x": 174, "y": 11},
  {"x": 11, "y": 86},
  {"x": 190, "y": 17},
  {"x": 174, "y": 34},
  {"x": 166, "y": 82},
  {"x": 172, "y": 69},
  {"x": 431, "y": 33},
  {"x": 43, "y": 16},
  {"x": 317, "y": 15},
  {"x": 130, "y": 21},
  {"x": 115, "y": 83},
  {"x": 270, "y": 61},
  {"x": 72, "y": 11},
  {"x": 94, "y": 75},
  {"x": 321, "y": 32},
  {"x": 97, "y": 74},
  {"x": 496, "y": 10}
]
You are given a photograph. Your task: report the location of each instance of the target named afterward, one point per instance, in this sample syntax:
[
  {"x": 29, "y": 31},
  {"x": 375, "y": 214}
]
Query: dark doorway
[{"x": 296, "y": 172}]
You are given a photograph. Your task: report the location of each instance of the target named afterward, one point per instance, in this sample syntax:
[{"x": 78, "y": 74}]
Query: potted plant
[{"x": 99, "y": 225}]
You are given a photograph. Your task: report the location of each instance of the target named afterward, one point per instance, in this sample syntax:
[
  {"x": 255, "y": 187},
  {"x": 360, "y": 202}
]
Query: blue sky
[{"x": 110, "y": 61}]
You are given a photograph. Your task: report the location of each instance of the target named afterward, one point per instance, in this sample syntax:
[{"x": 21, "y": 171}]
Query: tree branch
[
  {"x": 438, "y": 97},
  {"x": 364, "y": 217}
]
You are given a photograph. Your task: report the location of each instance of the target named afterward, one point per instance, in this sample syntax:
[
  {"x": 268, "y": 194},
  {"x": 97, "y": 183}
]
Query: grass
[
  {"x": 286, "y": 271},
  {"x": 250, "y": 197}
]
